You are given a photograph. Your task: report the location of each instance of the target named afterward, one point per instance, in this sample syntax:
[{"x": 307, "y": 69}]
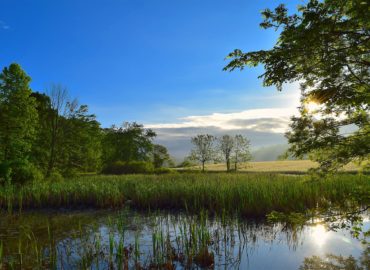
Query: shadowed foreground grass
[{"x": 245, "y": 194}]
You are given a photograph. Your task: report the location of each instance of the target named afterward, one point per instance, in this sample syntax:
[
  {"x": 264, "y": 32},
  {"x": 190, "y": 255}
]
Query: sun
[
  {"x": 312, "y": 106},
  {"x": 319, "y": 235}
]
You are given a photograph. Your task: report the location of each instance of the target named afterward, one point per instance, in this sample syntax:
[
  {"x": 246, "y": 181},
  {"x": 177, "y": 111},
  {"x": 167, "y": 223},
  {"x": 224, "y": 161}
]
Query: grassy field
[
  {"x": 299, "y": 166},
  {"x": 244, "y": 194}
]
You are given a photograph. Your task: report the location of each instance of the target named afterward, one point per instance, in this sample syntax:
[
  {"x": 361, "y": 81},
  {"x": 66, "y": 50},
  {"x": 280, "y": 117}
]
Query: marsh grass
[
  {"x": 243, "y": 194},
  {"x": 185, "y": 241}
]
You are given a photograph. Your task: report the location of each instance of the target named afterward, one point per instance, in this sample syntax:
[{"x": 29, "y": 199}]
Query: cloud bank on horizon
[
  {"x": 274, "y": 120},
  {"x": 264, "y": 127}
]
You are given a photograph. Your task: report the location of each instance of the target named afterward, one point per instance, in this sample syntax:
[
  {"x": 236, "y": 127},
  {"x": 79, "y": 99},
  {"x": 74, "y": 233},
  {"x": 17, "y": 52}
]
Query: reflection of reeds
[
  {"x": 127, "y": 240},
  {"x": 189, "y": 241},
  {"x": 244, "y": 194}
]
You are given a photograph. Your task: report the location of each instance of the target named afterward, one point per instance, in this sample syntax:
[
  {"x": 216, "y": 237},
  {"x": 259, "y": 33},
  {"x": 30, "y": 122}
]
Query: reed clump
[{"x": 244, "y": 194}]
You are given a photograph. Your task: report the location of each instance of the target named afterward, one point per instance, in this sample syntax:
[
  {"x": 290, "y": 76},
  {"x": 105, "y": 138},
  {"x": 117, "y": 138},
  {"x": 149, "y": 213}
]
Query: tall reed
[{"x": 244, "y": 194}]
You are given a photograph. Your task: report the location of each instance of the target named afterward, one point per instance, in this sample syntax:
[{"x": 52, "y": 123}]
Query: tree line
[
  {"x": 230, "y": 149},
  {"x": 51, "y": 135}
]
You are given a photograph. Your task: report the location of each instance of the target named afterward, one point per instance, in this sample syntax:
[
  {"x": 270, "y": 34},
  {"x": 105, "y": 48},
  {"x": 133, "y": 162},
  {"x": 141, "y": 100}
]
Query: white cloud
[
  {"x": 274, "y": 120},
  {"x": 264, "y": 122}
]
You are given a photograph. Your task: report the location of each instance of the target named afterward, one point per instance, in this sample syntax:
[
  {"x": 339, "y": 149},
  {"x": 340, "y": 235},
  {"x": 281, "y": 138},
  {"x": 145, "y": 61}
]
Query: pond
[{"x": 129, "y": 239}]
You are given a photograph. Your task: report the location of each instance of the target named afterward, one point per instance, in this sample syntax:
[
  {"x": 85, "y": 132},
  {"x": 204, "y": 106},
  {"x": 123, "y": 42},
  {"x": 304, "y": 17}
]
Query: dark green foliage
[
  {"x": 5, "y": 172},
  {"x": 127, "y": 143},
  {"x": 326, "y": 47},
  {"x": 44, "y": 133},
  {"x": 128, "y": 167},
  {"x": 54, "y": 136},
  {"x": 19, "y": 172},
  {"x": 17, "y": 126},
  {"x": 186, "y": 163},
  {"x": 17, "y": 113},
  {"x": 40, "y": 153},
  {"x": 68, "y": 139},
  {"x": 55, "y": 177},
  {"x": 79, "y": 147},
  {"x": 161, "y": 156},
  {"x": 24, "y": 171}
]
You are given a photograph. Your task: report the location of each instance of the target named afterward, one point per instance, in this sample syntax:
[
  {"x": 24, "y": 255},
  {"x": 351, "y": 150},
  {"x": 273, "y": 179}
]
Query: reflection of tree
[{"x": 334, "y": 262}]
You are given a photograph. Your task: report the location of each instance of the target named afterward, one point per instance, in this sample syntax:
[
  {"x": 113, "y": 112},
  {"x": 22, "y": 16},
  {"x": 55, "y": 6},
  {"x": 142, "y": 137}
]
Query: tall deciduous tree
[
  {"x": 130, "y": 142},
  {"x": 18, "y": 115},
  {"x": 160, "y": 156},
  {"x": 40, "y": 154},
  {"x": 59, "y": 104},
  {"x": 226, "y": 145},
  {"x": 69, "y": 138},
  {"x": 79, "y": 148},
  {"x": 240, "y": 151},
  {"x": 203, "y": 148},
  {"x": 326, "y": 47}
]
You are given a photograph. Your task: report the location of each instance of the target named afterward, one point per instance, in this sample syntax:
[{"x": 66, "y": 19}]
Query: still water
[{"x": 132, "y": 240}]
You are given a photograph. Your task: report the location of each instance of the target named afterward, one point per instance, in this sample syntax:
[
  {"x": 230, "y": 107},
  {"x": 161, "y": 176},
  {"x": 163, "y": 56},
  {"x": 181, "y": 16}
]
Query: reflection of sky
[
  {"x": 315, "y": 241},
  {"x": 266, "y": 247}
]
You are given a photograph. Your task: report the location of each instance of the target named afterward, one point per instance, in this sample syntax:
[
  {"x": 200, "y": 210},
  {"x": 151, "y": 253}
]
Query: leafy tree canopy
[
  {"x": 161, "y": 156},
  {"x": 130, "y": 142},
  {"x": 203, "y": 150},
  {"x": 17, "y": 113},
  {"x": 325, "y": 47}
]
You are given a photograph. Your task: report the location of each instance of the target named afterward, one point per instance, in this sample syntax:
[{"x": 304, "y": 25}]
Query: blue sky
[
  {"x": 157, "y": 62},
  {"x": 144, "y": 60}
]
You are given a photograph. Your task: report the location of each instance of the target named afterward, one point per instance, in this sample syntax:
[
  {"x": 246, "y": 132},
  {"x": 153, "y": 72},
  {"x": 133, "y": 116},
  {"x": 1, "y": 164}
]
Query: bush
[
  {"x": 132, "y": 167},
  {"x": 5, "y": 172},
  {"x": 70, "y": 173},
  {"x": 19, "y": 172},
  {"x": 186, "y": 164},
  {"x": 164, "y": 171},
  {"x": 55, "y": 176}
]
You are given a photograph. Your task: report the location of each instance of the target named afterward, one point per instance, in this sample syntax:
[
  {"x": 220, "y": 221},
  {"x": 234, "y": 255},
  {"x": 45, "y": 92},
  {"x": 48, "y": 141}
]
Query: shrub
[
  {"x": 55, "y": 176},
  {"x": 164, "y": 171},
  {"x": 5, "y": 172},
  {"x": 186, "y": 164},
  {"x": 70, "y": 172},
  {"x": 19, "y": 172},
  {"x": 132, "y": 167}
]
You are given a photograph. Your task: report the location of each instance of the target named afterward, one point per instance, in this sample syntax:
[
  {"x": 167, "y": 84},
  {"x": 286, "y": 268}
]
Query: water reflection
[
  {"x": 129, "y": 240},
  {"x": 319, "y": 234},
  {"x": 334, "y": 262}
]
